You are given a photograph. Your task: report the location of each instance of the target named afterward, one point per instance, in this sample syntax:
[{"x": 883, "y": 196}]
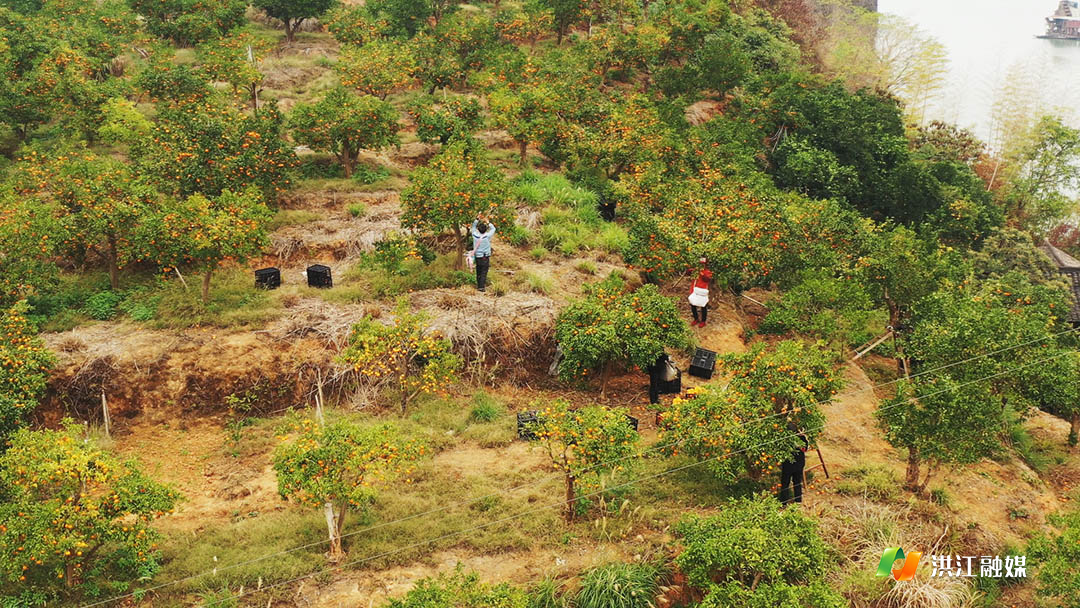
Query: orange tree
[
  {"x": 451, "y": 118},
  {"x": 234, "y": 58},
  {"x": 206, "y": 149},
  {"x": 28, "y": 231},
  {"x": 447, "y": 194},
  {"x": 589, "y": 445},
  {"x": 189, "y": 22},
  {"x": 202, "y": 233},
  {"x": 293, "y": 12},
  {"x": 75, "y": 521},
  {"x": 334, "y": 466},
  {"x": 612, "y": 325},
  {"x": 24, "y": 367},
  {"x": 711, "y": 212},
  {"x": 99, "y": 204},
  {"x": 379, "y": 68},
  {"x": 404, "y": 355},
  {"x": 742, "y": 426},
  {"x": 344, "y": 123},
  {"x": 527, "y": 114}
]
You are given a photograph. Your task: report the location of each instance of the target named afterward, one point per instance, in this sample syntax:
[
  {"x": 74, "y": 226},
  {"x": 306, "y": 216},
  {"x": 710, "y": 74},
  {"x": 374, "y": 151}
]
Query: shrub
[
  {"x": 755, "y": 554},
  {"x": 459, "y": 589},
  {"x": 102, "y": 305},
  {"x": 404, "y": 354},
  {"x": 836, "y": 310},
  {"x": 358, "y": 210},
  {"x": 619, "y": 585},
  {"x": 485, "y": 408}
]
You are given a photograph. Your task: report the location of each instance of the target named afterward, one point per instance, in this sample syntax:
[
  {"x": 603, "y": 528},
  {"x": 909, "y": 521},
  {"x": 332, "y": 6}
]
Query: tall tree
[
  {"x": 344, "y": 123},
  {"x": 1000, "y": 329},
  {"x": 293, "y": 12},
  {"x": 202, "y": 233},
  {"x": 99, "y": 203},
  {"x": 1045, "y": 175}
]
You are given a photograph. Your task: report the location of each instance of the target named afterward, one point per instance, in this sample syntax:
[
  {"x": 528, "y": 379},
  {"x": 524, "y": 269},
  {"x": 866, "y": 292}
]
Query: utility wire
[
  {"x": 564, "y": 502},
  {"x": 215, "y": 571}
]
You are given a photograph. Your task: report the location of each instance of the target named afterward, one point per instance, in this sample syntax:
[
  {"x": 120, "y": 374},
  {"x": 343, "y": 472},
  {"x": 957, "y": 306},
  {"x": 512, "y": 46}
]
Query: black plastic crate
[
  {"x": 633, "y": 422},
  {"x": 267, "y": 278},
  {"x": 525, "y": 424},
  {"x": 703, "y": 363},
  {"x": 319, "y": 276}
]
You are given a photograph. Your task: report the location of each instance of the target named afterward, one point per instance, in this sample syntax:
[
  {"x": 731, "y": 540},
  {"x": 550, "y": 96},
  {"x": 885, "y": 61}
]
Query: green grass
[
  {"x": 536, "y": 282},
  {"x": 586, "y": 267},
  {"x": 619, "y": 585},
  {"x": 291, "y": 217},
  {"x": 234, "y": 302},
  {"x": 358, "y": 210},
  {"x": 485, "y": 408},
  {"x": 876, "y": 482},
  {"x": 365, "y": 282},
  {"x": 570, "y": 221}
]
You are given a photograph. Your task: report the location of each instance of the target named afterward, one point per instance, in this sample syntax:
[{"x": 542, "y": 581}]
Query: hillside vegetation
[{"x": 172, "y": 435}]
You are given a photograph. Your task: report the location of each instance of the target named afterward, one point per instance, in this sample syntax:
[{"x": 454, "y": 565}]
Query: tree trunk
[
  {"x": 290, "y": 30},
  {"x": 206, "y": 286},
  {"x": 347, "y": 161},
  {"x": 605, "y": 375},
  {"x": 460, "y": 240},
  {"x": 523, "y": 148},
  {"x": 558, "y": 39},
  {"x": 1074, "y": 429},
  {"x": 911, "y": 482},
  {"x": 254, "y": 91},
  {"x": 569, "y": 499},
  {"x": 333, "y": 526},
  {"x": 114, "y": 270}
]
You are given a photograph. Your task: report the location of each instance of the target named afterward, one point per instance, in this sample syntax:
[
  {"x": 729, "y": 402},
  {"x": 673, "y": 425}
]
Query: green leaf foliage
[
  {"x": 24, "y": 368},
  {"x": 344, "y": 123},
  {"x": 76, "y": 521},
  {"x": 612, "y": 325},
  {"x": 753, "y": 553},
  {"x": 461, "y": 590},
  {"x": 749, "y": 424}
]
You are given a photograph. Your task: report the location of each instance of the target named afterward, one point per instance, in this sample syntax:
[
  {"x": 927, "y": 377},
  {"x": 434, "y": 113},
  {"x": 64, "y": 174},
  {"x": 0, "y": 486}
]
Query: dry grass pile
[
  {"x": 319, "y": 319},
  {"x": 513, "y": 330}
]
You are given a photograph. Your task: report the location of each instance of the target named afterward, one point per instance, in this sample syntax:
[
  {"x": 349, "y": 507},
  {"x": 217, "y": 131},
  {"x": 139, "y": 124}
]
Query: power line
[
  {"x": 598, "y": 492},
  {"x": 545, "y": 479}
]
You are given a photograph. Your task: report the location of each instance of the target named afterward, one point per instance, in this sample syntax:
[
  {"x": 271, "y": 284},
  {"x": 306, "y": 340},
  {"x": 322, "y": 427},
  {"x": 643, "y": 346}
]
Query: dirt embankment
[{"x": 175, "y": 372}]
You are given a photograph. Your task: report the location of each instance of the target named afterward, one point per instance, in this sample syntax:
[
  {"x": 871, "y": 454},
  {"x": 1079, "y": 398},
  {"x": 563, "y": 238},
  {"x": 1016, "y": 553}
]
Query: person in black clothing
[
  {"x": 791, "y": 470},
  {"x": 656, "y": 377}
]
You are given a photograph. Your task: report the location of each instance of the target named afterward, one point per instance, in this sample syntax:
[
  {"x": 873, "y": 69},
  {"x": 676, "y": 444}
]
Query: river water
[{"x": 994, "y": 57}]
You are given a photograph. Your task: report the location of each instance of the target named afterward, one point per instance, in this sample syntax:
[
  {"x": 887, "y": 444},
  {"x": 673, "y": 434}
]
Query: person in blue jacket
[{"x": 482, "y": 231}]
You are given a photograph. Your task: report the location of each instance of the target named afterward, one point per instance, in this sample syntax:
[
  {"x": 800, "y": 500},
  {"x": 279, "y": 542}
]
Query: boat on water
[{"x": 1064, "y": 24}]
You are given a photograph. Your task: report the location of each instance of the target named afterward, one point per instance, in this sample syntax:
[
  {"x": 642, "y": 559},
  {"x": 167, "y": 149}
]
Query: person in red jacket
[{"x": 699, "y": 298}]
